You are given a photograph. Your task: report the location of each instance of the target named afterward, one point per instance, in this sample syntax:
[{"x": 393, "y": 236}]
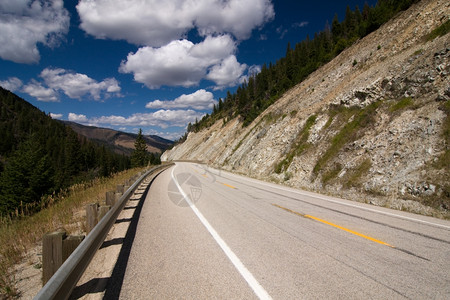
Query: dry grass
[{"x": 18, "y": 236}]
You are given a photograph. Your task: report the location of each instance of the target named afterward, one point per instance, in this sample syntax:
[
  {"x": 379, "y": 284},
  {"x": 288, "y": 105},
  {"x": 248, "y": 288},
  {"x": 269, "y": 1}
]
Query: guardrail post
[
  {"x": 51, "y": 253},
  {"x": 56, "y": 248},
  {"x": 70, "y": 244},
  {"x": 110, "y": 198},
  {"x": 102, "y": 211},
  {"x": 120, "y": 188},
  {"x": 117, "y": 197},
  {"x": 91, "y": 216}
]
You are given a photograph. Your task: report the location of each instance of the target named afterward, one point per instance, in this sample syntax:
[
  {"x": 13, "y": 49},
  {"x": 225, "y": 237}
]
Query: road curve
[{"x": 205, "y": 233}]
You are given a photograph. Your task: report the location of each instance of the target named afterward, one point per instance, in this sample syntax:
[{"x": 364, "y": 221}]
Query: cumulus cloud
[
  {"x": 200, "y": 100},
  {"x": 78, "y": 118},
  {"x": 76, "y": 85},
  {"x": 156, "y": 23},
  {"x": 227, "y": 73},
  {"x": 41, "y": 93},
  {"x": 25, "y": 23},
  {"x": 12, "y": 84},
  {"x": 183, "y": 63},
  {"x": 161, "y": 118},
  {"x": 56, "y": 116}
]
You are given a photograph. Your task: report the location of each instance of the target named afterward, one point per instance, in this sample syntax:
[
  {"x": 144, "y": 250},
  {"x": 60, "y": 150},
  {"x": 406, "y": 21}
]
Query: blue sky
[{"x": 155, "y": 65}]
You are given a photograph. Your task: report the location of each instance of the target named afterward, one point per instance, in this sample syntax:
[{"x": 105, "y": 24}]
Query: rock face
[{"x": 374, "y": 131}]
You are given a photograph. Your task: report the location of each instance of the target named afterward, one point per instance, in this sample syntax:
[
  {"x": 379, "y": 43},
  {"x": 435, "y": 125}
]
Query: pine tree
[
  {"x": 139, "y": 157},
  {"x": 28, "y": 175}
]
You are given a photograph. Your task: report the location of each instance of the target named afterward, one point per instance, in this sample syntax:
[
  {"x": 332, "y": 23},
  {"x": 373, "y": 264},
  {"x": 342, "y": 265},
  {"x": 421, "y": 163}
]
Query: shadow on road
[{"x": 114, "y": 285}]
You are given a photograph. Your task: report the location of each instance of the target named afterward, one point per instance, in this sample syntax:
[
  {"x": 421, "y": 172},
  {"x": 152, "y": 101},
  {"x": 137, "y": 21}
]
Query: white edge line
[
  {"x": 245, "y": 273},
  {"x": 313, "y": 195}
]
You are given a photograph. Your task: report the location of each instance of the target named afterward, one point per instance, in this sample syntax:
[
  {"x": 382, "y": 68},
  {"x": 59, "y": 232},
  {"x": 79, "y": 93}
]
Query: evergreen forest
[
  {"x": 140, "y": 156},
  {"x": 263, "y": 89},
  {"x": 40, "y": 156}
]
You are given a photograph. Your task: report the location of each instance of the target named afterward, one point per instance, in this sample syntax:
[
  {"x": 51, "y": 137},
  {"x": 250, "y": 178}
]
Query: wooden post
[
  {"x": 70, "y": 244},
  {"x": 110, "y": 198},
  {"x": 91, "y": 216},
  {"x": 102, "y": 211},
  {"x": 51, "y": 254},
  {"x": 120, "y": 188},
  {"x": 118, "y": 195}
]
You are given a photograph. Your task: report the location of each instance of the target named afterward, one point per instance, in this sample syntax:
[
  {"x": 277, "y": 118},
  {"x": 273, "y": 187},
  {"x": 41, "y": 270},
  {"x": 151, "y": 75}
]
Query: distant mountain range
[{"x": 120, "y": 142}]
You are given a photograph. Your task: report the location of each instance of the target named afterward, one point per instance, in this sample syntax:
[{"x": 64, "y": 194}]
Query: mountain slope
[
  {"x": 39, "y": 156},
  {"x": 120, "y": 142},
  {"x": 371, "y": 125}
]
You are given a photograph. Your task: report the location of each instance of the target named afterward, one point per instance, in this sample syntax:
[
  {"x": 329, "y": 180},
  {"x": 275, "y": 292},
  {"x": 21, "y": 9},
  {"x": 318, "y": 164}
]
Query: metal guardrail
[{"x": 61, "y": 284}]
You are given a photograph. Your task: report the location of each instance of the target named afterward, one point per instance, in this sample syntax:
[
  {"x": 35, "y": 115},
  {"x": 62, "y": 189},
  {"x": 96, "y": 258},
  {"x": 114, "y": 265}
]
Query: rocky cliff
[{"x": 372, "y": 125}]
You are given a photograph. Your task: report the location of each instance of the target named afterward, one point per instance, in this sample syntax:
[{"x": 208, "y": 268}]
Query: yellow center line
[
  {"x": 230, "y": 186},
  {"x": 334, "y": 225}
]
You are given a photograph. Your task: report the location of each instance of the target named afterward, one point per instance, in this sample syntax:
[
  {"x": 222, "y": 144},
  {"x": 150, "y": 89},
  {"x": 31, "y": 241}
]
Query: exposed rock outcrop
[{"x": 374, "y": 131}]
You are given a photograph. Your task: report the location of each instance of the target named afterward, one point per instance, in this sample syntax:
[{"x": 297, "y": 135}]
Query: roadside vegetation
[
  {"x": 298, "y": 146},
  {"x": 350, "y": 124},
  {"x": 440, "y": 31},
  {"x": 20, "y": 234},
  {"x": 351, "y": 131}
]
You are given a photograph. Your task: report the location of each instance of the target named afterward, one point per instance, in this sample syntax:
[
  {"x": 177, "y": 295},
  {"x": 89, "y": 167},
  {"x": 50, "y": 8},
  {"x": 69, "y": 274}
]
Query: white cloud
[
  {"x": 12, "y": 84},
  {"x": 227, "y": 73},
  {"x": 56, "y": 116},
  {"x": 160, "y": 118},
  {"x": 254, "y": 70},
  {"x": 300, "y": 25},
  {"x": 76, "y": 85},
  {"x": 200, "y": 100},
  {"x": 234, "y": 16},
  {"x": 78, "y": 118},
  {"x": 281, "y": 31},
  {"x": 25, "y": 23},
  {"x": 155, "y": 23},
  {"x": 41, "y": 93},
  {"x": 180, "y": 63}
]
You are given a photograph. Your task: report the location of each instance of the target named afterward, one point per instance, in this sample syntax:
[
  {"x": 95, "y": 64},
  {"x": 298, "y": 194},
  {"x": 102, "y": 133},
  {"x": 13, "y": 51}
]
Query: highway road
[{"x": 208, "y": 234}]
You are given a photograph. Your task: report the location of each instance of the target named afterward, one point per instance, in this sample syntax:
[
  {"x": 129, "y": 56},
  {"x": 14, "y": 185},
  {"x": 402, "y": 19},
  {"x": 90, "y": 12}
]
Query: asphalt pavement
[{"x": 208, "y": 234}]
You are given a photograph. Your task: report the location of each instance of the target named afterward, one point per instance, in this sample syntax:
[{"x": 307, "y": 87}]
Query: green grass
[
  {"x": 439, "y": 31},
  {"x": 418, "y": 52},
  {"x": 362, "y": 119},
  {"x": 299, "y": 146},
  {"x": 18, "y": 236},
  {"x": 329, "y": 175},
  {"x": 353, "y": 176},
  {"x": 403, "y": 103}
]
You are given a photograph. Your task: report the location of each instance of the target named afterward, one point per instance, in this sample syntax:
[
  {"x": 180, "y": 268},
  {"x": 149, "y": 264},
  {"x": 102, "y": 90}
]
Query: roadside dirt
[{"x": 92, "y": 285}]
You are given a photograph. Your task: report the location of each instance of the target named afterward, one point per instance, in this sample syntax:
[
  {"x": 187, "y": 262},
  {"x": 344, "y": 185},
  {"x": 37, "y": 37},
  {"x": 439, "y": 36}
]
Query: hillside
[
  {"x": 372, "y": 125},
  {"x": 120, "y": 142},
  {"x": 39, "y": 156}
]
